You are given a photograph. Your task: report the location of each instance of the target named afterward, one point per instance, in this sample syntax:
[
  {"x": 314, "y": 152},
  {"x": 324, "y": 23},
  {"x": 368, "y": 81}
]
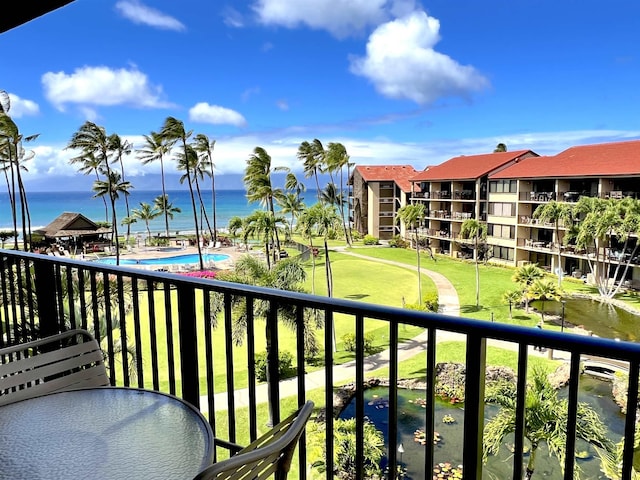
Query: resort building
[
  {"x": 377, "y": 193},
  {"x": 455, "y": 191},
  {"x": 503, "y": 190}
]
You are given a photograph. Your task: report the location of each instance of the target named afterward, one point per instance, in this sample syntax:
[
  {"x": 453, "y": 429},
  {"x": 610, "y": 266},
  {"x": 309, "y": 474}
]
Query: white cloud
[
  {"x": 102, "y": 86},
  {"x": 341, "y": 18},
  {"x": 232, "y": 17},
  {"x": 21, "y": 107},
  {"x": 205, "y": 113},
  {"x": 282, "y": 105},
  {"x": 401, "y": 62},
  {"x": 139, "y": 13}
]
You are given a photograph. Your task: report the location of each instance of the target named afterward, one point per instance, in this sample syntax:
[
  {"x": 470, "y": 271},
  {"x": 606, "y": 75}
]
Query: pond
[
  {"x": 603, "y": 319},
  {"x": 411, "y": 418}
]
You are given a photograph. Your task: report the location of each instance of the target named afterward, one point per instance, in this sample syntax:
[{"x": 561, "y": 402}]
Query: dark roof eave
[{"x": 26, "y": 10}]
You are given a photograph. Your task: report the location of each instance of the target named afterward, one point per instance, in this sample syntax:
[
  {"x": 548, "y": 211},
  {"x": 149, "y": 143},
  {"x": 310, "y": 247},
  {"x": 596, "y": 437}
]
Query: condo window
[
  {"x": 503, "y": 253},
  {"x": 503, "y": 186},
  {"x": 502, "y": 209},
  {"x": 501, "y": 231}
]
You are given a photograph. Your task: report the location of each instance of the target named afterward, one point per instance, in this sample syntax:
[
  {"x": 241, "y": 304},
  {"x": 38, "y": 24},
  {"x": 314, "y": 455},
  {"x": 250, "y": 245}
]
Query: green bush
[
  {"x": 349, "y": 341},
  {"x": 370, "y": 240},
  {"x": 285, "y": 366},
  {"x": 430, "y": 303},
  {"x": 398, "y": 242}
]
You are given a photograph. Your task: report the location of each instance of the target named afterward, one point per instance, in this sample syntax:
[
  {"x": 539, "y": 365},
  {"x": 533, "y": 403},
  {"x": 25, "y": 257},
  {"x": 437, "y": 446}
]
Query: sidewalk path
[{"x": 449, "y": 305}]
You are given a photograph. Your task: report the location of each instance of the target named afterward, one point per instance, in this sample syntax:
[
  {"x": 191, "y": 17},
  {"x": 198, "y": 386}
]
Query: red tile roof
[
  {"x": 469, "y": 167},
  {"x": 385, "y": 173},
  {"x": 604, "y": 159}
]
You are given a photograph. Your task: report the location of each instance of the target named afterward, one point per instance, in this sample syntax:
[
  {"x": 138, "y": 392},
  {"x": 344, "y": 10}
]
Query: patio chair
[
  {"x": 269, "y": 455},
  {"x": 66, "y": 361}
]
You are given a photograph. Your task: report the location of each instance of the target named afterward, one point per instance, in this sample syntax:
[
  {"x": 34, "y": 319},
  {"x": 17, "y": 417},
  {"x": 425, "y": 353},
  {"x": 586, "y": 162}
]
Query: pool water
[{"x": 175, "y": 260}]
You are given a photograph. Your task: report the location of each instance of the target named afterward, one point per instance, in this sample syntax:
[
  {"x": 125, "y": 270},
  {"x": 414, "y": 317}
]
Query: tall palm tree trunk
[
  {"x": 193, "y": 207},
  {"x": 213, "y": 205},
  {"x": 418, "y": 266},
  {"x": 26, "y": 217},
  {"x": 344, "y": 223},
  {"x": 126, "y": 199},
  {"x": 273, "y": 212},
  {"x": 202, "y": 209},
  {"x": 166, "y": 199}
]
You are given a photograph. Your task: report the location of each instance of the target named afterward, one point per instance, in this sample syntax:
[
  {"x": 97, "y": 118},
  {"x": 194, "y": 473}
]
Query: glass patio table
[{"x": 103, "y": 433}]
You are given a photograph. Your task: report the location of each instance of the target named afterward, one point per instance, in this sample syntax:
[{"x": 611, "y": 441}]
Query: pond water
[
  {"x": 411, "y": 417},
  {"x": 603, "y": 319}
]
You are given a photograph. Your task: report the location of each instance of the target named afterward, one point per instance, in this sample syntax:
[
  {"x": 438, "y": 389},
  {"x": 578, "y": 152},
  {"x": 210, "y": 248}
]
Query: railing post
[
  {"x": 474, "y": 406},
  {"x": 188, "y": 345},
  {"x": 273, "y": 374},
  {"x": 46, "y": 298}
]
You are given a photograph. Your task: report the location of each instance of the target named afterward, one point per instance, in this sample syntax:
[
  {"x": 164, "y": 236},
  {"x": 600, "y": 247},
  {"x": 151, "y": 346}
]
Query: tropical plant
[
  {"x": 336, "y": 160},
  {"x": 545, "y": 420},
  {"x": 173, "y": 131},
  {"x": 306, "y": 226},
  {"x": 264, "y": 225},
  {"x": 412, "y": 216},
  {"x": 120, "y": 148},
  {"x": 90, "y": 164},
  {"x": 501, "y": 147},
  {"x": 234, "y": 226},
  {"x": 544, "y": 289},
  {"x": 290, "y": 202},
  {"x": 166, "y": 208},
  {"x": 525, "y": 275},
  {"x": 604, "y": 221},
  {"x": 257, "y": 181},
  {"x": 344, "y": 451},
  {"x": 204, "y": 147},
  {"x": 128, "y": 221},
  {"x": 312, "y": 156},
  {"x": 556, "y": 213},
  {"x": 146, "y": 213},
  {"x": 512, "y": 297},
  {"x": 112, "y": 187},
  {"x": 155, "y": 148},
  {"x": 12, "y": 161},
  {"x": 473, "y": 229}
]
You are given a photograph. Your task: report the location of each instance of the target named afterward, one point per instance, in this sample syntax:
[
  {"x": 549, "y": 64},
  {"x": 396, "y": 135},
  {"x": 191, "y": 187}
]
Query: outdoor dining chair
[
  {"x": 269, "y": 455},
  {"x": 66, "y": 361}
]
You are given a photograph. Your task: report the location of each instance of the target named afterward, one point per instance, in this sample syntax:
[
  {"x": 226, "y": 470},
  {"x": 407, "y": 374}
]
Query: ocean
[{"x": 46, "y": 206}]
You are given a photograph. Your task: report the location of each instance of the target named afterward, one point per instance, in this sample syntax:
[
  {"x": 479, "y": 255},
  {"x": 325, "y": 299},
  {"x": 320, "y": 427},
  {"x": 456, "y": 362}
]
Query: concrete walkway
[{"x": 449, "y": 305}]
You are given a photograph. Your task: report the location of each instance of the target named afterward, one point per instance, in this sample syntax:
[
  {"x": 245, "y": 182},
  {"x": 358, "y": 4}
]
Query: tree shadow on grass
[
  {"x": 357, "y": 296},
  {"x": 471, "y": 308}
]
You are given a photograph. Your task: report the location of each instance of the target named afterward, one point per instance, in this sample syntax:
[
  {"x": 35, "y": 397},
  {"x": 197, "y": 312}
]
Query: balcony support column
[
  {"x": 188, "y": 345},
  {"x": 474, "y": 406},
  {"x": 46, "y": 297}
]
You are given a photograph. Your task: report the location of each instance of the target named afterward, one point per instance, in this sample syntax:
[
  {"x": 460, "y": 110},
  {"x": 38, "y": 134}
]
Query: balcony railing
[{"x": 170, "y": 322}]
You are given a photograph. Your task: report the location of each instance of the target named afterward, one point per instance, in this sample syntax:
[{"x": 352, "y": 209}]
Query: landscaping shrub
[
  {"x": 430, "y": 303},
  {"x": 349, "y": 341},
  {"x": 398, "y": 242},
  {"x": 285, "y": 366},
  {"x": 370, "y": 240}
]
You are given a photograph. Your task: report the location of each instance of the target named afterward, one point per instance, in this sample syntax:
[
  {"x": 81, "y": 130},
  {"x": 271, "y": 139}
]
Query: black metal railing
[{"x": 174, "y": 325}]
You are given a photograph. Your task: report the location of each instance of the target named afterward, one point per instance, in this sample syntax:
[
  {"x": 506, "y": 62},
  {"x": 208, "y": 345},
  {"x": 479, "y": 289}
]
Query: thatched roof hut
[{"x": 72, "y": 225}]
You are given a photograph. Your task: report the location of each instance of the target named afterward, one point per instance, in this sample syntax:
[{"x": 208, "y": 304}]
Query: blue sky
[{"x": 397, "y": 82}]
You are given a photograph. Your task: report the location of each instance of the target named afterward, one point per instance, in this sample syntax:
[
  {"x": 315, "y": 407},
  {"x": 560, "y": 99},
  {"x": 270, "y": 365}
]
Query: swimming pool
[{"x": 175, "y": 260}]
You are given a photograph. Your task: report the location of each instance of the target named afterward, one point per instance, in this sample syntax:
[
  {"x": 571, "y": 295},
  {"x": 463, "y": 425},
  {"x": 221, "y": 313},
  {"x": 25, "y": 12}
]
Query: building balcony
[{"x": 178, "y": 330}]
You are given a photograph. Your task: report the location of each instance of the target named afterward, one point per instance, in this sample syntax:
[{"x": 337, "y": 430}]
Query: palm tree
[
  {"x": 336, "y": 159},
  {"x": 197, "y": 173},
  {"x": 290, "y": 203},
  {"x": 166, "y": 208},
  {"x": 501, "y": 147},
  {"x": 257, "y": 181},
  {"x": 91, "y": 164},
  {"x": 411, "y": 216},
  {"x": 155, "y": 148},
  {"x": 545, "y": 420},
  {"x": 555, "y": 212},
  {"x": 472, "y": 228},
  {"x": 173, "y": 131},
  {"x": 128, "y": 221},
  {"x": 512, "y": 297},
  {"x": 264, "y": 225},
  {"x": 525, "y": 275},
  {"x": 306, "y": 225},
  {"x": 204, "y": 147},
  {"x": 544, "y": 289},
  {"x": 312, "y": 156},
  {"x": 112, "y": 188},
  {"x": 121, "y": 148},
  {"x": 92, "y": 140},
  {"x": 146, "y": 213},
  {"x": 234, "y": 226},
  {"x": 14, "y": 156}
]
